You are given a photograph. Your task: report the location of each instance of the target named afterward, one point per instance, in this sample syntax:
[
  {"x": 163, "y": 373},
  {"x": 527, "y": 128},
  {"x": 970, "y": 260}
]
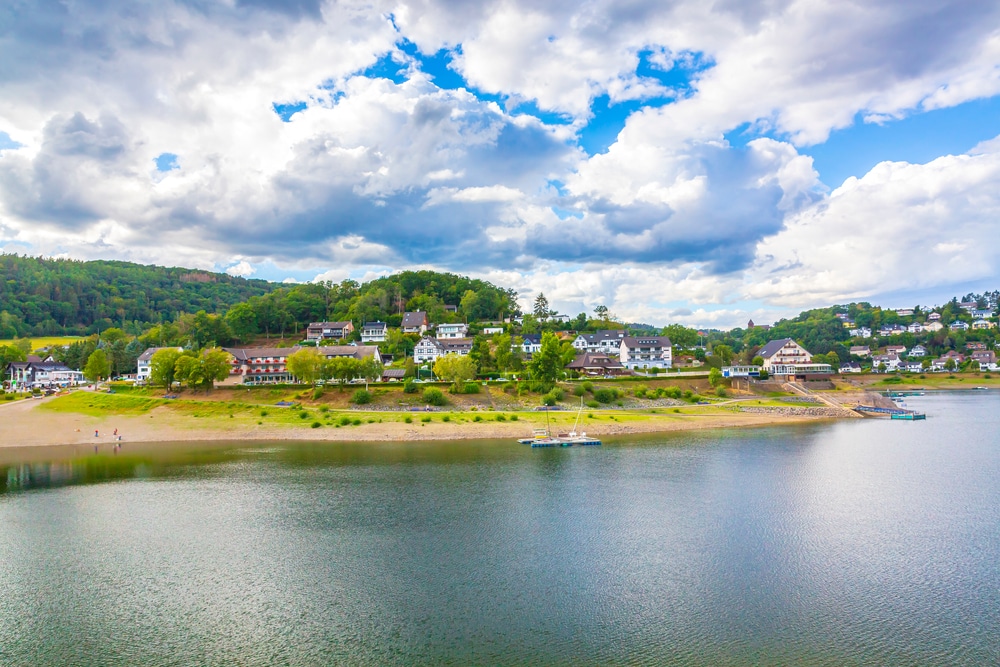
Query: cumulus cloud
[
  {"x": 242, "y": 268},
  {"x": 374, "y": 171}
]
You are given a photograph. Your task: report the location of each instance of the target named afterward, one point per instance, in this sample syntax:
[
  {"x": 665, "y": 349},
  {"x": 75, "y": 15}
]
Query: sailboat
[
  {"x": 541, "y": 437},
  {"x": 575, "y": 437}
]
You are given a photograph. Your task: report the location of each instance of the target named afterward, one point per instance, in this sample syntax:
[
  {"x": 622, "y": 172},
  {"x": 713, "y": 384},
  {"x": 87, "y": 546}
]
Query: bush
[
  {"x": 549, "y": 399},
  {"x": 263, "y": 413},
  {"x": 408, "y": 419},
  {"x": 672, "y": 392},
  {"x": 361, "y": 397},
  {"x": 317, "y": 393},
  {"x": 721, "y": 392},
  {"x": 641, "y": 390},
  {"x": 315, "y": 425},
  {"x": 357, "y": 422},
  {"x": 540, "y": 387},
  {"x": 688, "y": 394},
  {"x": 578, "y": 390},
  {"x": 593, "y": 404},
  {"x": 344, "y": 420},
  {"x": 425, "y": 418},
  {"x": 303, "y": 415},
  {"x": 434, "y": 396},
  {"x": 446, "y": 418},
  {"x": 477, "y": 418},
  {"x": 559, "y": 393},
  {"x": 501, "y": 418},
  {"x": 409, "y": 387},
  {"x": 471, "y": 388},
  {"x": 605, "y": 395},
  {"x": 324, "y": 408},
  {"x": 588, "y": 386},
  {"x": 513, "y": 418}
]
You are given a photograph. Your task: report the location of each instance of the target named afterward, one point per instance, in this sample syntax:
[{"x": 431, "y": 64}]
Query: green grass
[
  {"x": 45, "y": 341},
  {"x": 99, "y": 405}
]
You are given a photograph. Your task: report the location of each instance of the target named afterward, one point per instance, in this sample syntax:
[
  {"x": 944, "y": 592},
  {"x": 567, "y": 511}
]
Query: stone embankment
[{"x": 797, "y": 412}]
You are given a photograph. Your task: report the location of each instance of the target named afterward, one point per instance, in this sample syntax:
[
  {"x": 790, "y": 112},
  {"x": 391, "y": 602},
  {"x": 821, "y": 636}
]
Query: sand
[{"x": 22, "y": 424}]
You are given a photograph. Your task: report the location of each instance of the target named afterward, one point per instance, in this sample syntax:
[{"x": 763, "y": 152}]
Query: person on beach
[
  {"x": 96, "y": 434},
  {"x": 116, "y": 432}
]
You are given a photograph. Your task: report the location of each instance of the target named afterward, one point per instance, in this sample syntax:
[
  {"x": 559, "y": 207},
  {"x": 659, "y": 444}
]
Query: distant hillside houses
[{"x": 268, "y": 365}]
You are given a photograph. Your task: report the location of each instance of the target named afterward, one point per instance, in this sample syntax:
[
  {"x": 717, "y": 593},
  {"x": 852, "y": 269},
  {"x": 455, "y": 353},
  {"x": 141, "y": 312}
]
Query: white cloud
[{"x": 243, "y": 269}]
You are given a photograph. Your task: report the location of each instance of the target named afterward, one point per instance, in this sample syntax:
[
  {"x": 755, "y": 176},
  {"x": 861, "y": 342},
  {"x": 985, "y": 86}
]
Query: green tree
[
  {"x": 724, "y": 353},
  {"x": 541, "y": 307},
  {"x": 715, "y": 377},
  {"x": 113, "y": 335},
  {"x": 455, "y": 368},
  {"x": 757, "y": 361},
  {"x": 601, "y": 313},
  {"x": 162, "y": 367},
  {"x": 9, "y": 353},
  {"x": 503, "y": 352},
  {"x": 242, "y": 322},
  {"x": 681, "y": 336},
  {"x": 202, "y": 371},
  {"x": 306, "y": 365},
  {"x": 97, "y": 367},
  {"x": 546, "y": 364}
]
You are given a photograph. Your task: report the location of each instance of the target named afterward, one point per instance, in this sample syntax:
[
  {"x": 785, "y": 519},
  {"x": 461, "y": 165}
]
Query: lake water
[{"x": 863, "y": 542}]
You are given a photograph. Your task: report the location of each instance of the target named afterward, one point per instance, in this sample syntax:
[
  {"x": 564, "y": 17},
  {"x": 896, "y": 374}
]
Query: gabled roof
[
  {"x": 245, "y": 353},
  {"x": 329, "y": 325},
  {"x": 148, "y": 354},
  {"x": 773, "y": 346},
  {"x": 532, "y": 339},
  {"x": 414, "y": 320},
  {"x": 595, "y": 360},
  {"x": 398, "y": 373},
  {"x": 374, "y": 325},
  {"x": 637, "y": 341},
  {"x": 356, "y": 351},
  {"x": 605, "y": 335}
]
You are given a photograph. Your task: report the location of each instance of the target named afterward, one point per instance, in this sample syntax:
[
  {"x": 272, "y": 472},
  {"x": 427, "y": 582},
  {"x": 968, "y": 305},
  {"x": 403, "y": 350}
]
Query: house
[
  {"x": 905, "y": 312},
  {"x": 415, "y": 322},
  {"x": 891, "y": 330},
  {"x": 981, "y": 313},
  {"x": 967, "y": 305},
  {"x": 607, "y": 341},
  {"x": 959, "y": 325},
  {"x": 939, "y": 363},
  {"x": 783, "y": 352},
  {"x": 915, "y": 328},
  {"x": 268, "y": 365},
  {"x": 490, "y": 331},
  {"x": 762, "y": 327},
  {"x": 596, "y": 363},
  {"x": 987, "y": 360},
  {"x": 891, "y": 362},
  {"x": 374, "y": 332},
  {"x": 850, "y": 367},
  {"x": 934, "y": 317},
  {"x": 450, "y": 309},
  {"x": 456, "y": 330},
  {"x": 975, "y": 345},
  {"x": 983, "y": 324},
  {"x": 861, "y": 332},
  {"x": 860, "y": 350},
  {"x": 319, "y": 331},
  {"x": 933, "y": 326},
  {"x": 144, "y": 363},
  {"x": 37, "y": 373},
  {"x": 429, "y": 349},
  {"x": 898, "y": 350},
  {"x": 911, "y": 366},
  {"x": 646, "y": 352},
  {"x": 531, "y": 343},
  {"x": 918, "y": 351}
]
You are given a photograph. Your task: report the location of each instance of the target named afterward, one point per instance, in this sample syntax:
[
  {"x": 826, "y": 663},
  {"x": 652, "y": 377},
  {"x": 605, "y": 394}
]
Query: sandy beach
[{"x": 24, "y": 424}]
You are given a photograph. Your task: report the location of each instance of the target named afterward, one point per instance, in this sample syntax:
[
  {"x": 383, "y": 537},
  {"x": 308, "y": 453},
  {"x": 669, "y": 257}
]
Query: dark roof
[
  {"x": 595, "y": 360},
  {"x": 534, "y": 339},
  {"x": 244, "y": 353},
  {"x": 414, "y": 320},
  {"x": 328, "y": 325},
  {"x": 148, "y": 354},
  {"x": 449, "y": 344},
  {"x": 634, "y": 341},
  {"x": 356, "y": 351},
  {"x": 33, "y": 359},
  {"x": 374, "y": 325},
  {"x": 607, "y": 334},
  {"x": 394, "y": 373},
  {"x": 772, "y": 347}
]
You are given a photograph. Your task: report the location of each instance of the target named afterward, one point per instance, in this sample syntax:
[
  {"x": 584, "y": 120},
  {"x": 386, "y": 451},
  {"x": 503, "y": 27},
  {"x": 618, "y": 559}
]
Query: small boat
[
  {"x": 578, "y": 438},
  {"x": 908, "y": 416}
]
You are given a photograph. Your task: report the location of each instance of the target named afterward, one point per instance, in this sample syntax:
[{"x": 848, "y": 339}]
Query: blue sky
[{"x": 675, "y": 163}]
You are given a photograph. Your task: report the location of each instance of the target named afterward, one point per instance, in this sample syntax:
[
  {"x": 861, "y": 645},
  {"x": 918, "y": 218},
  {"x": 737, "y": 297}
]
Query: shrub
[
  {"x": 324, "y": 408},
  {"x": 434, "y": 396},
  {"x": 344, "y": 420},
  {"x": 559, "y": 393},
  {"x": 593, "y": 404},
  {"x": 578, "y": 390},
  {"x": 303, "y": 415},
  {"x": 317, "y": 393},
  {"x": 425, "y": 418},
  {"x": 361, "y": 397},
  {"x": 409, "y": 387},
  {"x": 477, "y": 418},
  {"x": 471, "y": 388},
  {"x": 721, "y": 392},
  {"x": 263, "y": 413},
  {"x": 688, "y": 394},
  {"x": 588, "y": 386},
  {"x": 501, "y": 418},
  {"x": 641, "y": 390},
  {"x": 672, "y": 392},
  {"x": 549, "y": 399},
  {"x": 408, "y": 419},
  {"x": 357, "y": 422},
  {"x": 315, "y": 424},
  {"x": 605, "y": 395},
  {"x": 446, "y": 418},
  {"x": 513, "y": 418}
]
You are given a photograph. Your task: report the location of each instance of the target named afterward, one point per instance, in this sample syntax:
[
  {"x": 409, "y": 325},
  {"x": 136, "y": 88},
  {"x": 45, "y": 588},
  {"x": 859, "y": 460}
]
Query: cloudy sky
[{"x": 679, "y": 161}]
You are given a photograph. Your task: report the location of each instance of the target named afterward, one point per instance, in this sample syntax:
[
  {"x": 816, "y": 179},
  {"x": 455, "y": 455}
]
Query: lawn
[{"x": 45, "y": 341}]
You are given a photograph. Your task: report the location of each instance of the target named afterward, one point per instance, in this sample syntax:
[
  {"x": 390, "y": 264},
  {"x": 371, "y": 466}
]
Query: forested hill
[{"x": 60, "y": 296}]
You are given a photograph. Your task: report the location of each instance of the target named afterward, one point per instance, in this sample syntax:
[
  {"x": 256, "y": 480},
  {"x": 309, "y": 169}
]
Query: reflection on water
[{"x": 848, "y": 543}]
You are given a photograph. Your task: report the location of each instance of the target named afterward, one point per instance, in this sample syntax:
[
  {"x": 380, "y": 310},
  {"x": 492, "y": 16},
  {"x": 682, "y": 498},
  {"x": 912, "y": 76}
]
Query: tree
[
  {"x": 949, "y": 365},
  {"x": 9, "y": 353},
  {"x": 305, "y": 365},
  {"x": 113, "y": 335},
  {"x": 242, "y": 322},
  {"x": 541, "y": 307},
  {"x": 724, "y": 353},
  {"x": 97, "y": 366},
  {"x": 502, "y": 352},
  {"x": 369, "y": 369},
  {"x": 680, "y": 335},
  {"x": 202, "y": 371},
  {"x": 455, "y": 368},
  {"x": 162, "y": 367},
  {"x": 546, "y": 364},
  {"x": 715, "y": 377},
  {"x": 758, "y": 361},
  {"x": 601, "y": 313}
]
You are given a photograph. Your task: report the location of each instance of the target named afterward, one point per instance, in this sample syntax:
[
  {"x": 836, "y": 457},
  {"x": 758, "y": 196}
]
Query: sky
[{"x": 676, "y": 161}]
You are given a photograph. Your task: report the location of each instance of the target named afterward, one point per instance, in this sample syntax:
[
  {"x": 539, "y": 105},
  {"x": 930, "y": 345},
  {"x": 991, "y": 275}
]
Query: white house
[
  {"x": 904, "y": 312},
  {"x": 933, "y": 326},
  {"x": 916, "y": 327},
  {"x": 374, "y": 332},
  {"x": 144, "y": 363},
  {"x": 850, "y": 367},
  {"x": 860, "y": 350},
  {"x": 891, "y": 362},
  {"x": 455, "y": 330},
  {"x": 429, "y": 349},
  {"x": 646, "y": 352},
  {"x": 918, "y": 351},
  {"x": 608, "y": 341},
  {"x": 934, "y": 317},
  {"x": 959, "y": 325},
  {"x": 783, "y": 352},
  {"x": 329, "y": 330},
  {"x": 490, "y": 331},
  {"x": 861, "y": 332},
  {"x": 531, "y": 343}
]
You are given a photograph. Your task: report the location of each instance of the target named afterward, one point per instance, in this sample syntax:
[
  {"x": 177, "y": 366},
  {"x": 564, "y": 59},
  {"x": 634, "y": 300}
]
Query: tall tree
[
  {"x": 305, "y": 364},
  {"x": 455, "y": 368},
  {"x": 162, "y": 367},
  {"x": 97, "y": 367},
  {"x": 546, "y": 364},
  {"x": 541, "y": 307}
]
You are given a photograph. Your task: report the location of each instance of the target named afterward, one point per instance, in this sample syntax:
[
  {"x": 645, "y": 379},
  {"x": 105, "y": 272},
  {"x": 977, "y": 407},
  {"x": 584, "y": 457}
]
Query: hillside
[{"x": 44, "y": 297}]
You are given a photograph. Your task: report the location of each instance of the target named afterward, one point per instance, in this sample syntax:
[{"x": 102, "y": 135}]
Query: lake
[{"x": 847, "y": 543}]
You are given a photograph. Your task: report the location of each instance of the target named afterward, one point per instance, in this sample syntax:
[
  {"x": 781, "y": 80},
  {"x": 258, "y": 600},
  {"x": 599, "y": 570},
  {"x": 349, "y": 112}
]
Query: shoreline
[{"x": 26, "y": 426}]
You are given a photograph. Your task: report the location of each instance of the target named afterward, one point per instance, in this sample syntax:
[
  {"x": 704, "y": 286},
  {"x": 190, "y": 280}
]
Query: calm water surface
[{"x": 869, "y": 542}]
